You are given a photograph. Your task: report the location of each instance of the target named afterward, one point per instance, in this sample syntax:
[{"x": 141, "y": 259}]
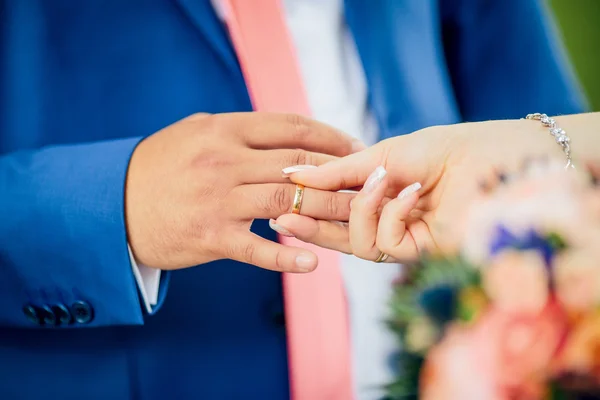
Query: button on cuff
[
  {"x": 82, "y": 312},
  {"x": 63, "y": 315},
  {"x": 49, "y": 318},
  {"x": 32, "y": 313}
]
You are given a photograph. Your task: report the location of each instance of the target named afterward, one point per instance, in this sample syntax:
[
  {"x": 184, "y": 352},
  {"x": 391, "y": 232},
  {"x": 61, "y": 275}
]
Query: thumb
[{"x": 344, "y": 173}]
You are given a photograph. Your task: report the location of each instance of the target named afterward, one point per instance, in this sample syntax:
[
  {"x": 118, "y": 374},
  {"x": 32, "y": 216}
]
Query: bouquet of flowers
[{"x": 515, "y": 313}]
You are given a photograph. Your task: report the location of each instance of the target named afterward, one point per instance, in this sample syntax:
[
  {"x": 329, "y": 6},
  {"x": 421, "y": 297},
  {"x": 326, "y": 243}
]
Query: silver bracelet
[{"x": 558, "y": 133}]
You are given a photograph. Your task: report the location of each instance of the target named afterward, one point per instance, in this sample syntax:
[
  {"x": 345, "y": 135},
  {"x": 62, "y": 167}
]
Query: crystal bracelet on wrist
[{"x": 558, "y": 133}]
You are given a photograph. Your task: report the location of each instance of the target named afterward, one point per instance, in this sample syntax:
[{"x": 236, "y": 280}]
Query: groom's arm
[
  {"x": 506, "y": 60},
  {"x": 64, "y": 260}
]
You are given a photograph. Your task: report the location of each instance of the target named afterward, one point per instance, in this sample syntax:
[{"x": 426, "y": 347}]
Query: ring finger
[{"x": 270, "y": 200}]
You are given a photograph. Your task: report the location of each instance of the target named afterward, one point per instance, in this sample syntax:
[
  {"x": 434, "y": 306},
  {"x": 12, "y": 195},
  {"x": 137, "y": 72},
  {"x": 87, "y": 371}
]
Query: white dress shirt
[{"x": 337, "y": 94}]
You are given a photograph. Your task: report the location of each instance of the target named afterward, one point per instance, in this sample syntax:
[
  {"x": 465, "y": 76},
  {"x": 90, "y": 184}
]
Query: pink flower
[
  {"x": 517, "y": 282},
  {"x": 459, "y": 368},
  {"x": 527, "y": 343},
  {"x": 502, "y": 357}
]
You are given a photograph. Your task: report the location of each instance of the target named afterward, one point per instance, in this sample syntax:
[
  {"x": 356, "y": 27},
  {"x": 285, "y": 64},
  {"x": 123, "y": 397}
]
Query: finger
[
  {"x": 270, "y": 200},
  {"x": 344, "y": 173},
  {"x": 392, "y": 236},
  {"x": 268, "y": 165},
  {"x": 249, "y": 248},
  {"x": 291, "y": 131},
  {"x": 364, "y": 216},
  {"x": 328, "y": 234}
]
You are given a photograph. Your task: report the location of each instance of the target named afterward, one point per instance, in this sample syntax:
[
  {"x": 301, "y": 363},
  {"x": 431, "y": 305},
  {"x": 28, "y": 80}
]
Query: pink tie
[{"x": 315, "y": 305}]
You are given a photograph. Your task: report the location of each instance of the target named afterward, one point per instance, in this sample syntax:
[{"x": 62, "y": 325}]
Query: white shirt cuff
[{"x": 148, "y": 281}]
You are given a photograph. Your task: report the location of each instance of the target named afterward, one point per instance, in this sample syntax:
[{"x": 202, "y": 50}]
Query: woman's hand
[{"x": 438, "y": 172}]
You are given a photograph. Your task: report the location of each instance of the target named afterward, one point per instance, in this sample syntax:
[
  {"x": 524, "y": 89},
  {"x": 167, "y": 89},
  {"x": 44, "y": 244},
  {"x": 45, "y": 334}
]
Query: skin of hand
[
  {"x": 438, "y": 172},
  {"x": 194, "y": 188}
]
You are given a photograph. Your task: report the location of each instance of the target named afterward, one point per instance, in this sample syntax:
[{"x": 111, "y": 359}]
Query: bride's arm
[
  {"x": 584, "y": 131},
  {"x": 448, "y": 164}
]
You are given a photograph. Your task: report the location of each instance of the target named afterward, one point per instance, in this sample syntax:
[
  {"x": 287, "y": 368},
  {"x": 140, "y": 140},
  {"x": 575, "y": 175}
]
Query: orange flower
[
  {"x": 581, "y": 353},
  {"x": 517, "y": 281},
  {"x": 577, "y": 279}
]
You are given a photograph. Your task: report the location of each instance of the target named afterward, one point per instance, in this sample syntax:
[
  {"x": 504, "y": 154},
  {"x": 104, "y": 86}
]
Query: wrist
[{"x": 585, "y": 145}]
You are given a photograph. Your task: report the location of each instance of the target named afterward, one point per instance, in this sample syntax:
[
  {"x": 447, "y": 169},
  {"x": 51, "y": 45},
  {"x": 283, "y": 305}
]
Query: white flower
[{"x": 545, "y": 198}]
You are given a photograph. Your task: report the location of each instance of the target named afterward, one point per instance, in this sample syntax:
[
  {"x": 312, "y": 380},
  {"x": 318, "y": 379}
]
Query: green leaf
[
  {"x": 558, "y": 393},
  {"x": 556, "y": 242},
  {"x": 407, "y": 384},
  {"x": 405, "y": 306}
]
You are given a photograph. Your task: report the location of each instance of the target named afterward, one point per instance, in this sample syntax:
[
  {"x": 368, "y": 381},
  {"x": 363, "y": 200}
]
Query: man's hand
[{"x": 194, "y": 188}]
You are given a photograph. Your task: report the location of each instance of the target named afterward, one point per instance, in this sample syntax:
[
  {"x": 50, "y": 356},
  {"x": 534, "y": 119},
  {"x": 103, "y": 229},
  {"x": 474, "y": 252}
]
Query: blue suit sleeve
[
  {"x": 506, "y": 60},
  {"x": 64, "y": 260}
]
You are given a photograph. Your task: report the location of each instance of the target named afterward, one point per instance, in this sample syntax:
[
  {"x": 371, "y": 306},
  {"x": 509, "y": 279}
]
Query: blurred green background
[{"x": 579, "y": 22}]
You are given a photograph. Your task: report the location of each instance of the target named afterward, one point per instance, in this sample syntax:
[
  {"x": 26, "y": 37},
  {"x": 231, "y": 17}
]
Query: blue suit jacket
[{"x": 81, "y": 82}]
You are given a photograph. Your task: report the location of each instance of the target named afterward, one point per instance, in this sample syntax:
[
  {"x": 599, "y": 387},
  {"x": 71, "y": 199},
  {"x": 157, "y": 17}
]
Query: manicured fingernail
[
  {"x": 305, "y": 262},
  {"x": 296, "y": 168},
  {"x": 407, "y": 191},
  {"x": 374, "y": 179},
  {"x": 279, "y": 229},
  {"x": 357, "y": 146}
]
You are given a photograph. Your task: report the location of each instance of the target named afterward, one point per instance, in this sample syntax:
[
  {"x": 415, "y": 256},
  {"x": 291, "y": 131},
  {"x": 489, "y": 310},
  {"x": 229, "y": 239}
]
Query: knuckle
[
  {"x": 300, "y": 126},
  {"x": 332, "y": 205},
  {"x": 279, "y": 263},
  {"x": 198, "y": 116},
  {"x": 247, "y": 253},
  {"x": 213, "y": 160},
  {"x": 343, "y": 182},
  {"x": 384, "y": 245},
  {"x": 199, "y": 124},
  {"x": 244, "y": 252},
  {"x": 299, "y": 157},
  {"x": 364, "y": 254},
  {"x": 281, "y": 199},
  {"x": 358, "y": 249},
  {"x": 364, "y": 250}
]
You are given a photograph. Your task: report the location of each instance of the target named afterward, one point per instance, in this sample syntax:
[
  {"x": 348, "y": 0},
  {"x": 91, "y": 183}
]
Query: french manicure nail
[
  {"x": 410, "y": 189},
  {"x": 374, "y": 179},
  {"x": 357, "y": 146},
  {"x": 279, "y": 229},
  {"x": 296, "y": 168},
  {"x": 305, "y": 262}
]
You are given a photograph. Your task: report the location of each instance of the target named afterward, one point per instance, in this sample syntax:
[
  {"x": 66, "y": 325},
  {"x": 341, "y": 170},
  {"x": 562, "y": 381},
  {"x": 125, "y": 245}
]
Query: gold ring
[
  {"x": 298, "y": 199},
  {"x": 382, "y": 257}
]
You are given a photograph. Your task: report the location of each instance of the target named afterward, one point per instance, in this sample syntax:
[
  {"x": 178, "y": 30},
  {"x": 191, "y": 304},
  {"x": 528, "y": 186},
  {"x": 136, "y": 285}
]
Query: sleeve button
[
  {"x": 49, "y": 318},
  {"x": 63, "y": 315},
  {"x": 32, "y": 313},
  {"x": 82, "y": 312}
]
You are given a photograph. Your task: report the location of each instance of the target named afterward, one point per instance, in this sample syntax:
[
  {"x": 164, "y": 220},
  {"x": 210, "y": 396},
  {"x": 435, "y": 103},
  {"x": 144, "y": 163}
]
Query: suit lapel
[
  {"x": 204, "y": 18},
  {"x": 400, "y": 49}
]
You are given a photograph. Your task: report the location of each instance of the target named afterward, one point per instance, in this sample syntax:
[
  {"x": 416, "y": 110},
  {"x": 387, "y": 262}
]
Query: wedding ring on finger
[
  {"x": 298, "y": 196},
  {"x": 382, "y": 257}
]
